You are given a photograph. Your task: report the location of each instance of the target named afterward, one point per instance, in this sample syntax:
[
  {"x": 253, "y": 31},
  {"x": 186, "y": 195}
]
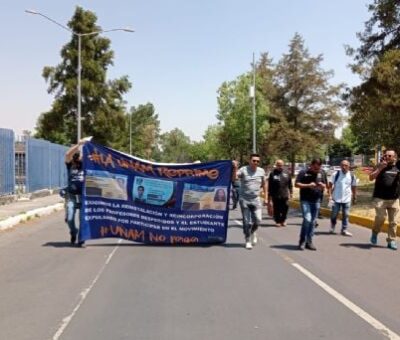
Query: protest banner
[{"x": 138, "y": 200}]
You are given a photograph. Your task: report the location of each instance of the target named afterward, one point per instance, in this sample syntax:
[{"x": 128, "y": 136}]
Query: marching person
[
  {"x": 252, "y": 179},
  {"x": 73, "y": 161},
  {"x": 342, "y": 189},
  {"x": 386, "y": 197},
  {"x": 280, "y": 189},
  {"x": 311, "y": 184}
]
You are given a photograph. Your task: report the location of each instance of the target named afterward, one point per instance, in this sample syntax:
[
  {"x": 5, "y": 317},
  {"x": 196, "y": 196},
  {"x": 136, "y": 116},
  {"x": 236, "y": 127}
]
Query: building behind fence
[
  {"x": 30, "y": 164},
  {"x": 7, "y": 162}
]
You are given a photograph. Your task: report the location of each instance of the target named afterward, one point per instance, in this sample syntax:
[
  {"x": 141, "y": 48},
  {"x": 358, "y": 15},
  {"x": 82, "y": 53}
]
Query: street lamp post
[
  {"x": 79, "y": 70},
  {"x": 253, "y": 96}
]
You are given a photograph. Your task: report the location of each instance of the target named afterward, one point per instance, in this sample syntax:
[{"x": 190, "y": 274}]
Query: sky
[{"x": 178, "y": 56}]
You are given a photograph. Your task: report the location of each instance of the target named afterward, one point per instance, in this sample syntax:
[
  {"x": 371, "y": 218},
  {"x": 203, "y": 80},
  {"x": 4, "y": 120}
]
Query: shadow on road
[
  {"x": 359, "y": 245},
  {"x": 323, "y": 233},
  {"x": 89, "y": 245},
  {"x": 63, "y": 244},
  {"x": 285, "y": 246}
]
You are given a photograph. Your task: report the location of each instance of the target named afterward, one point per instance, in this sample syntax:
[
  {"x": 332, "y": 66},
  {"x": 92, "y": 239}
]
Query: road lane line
[
  {"x": 342, "y": 299},
  {"x": 350, "y": 305},
  {"x": 65, "y": 322}
]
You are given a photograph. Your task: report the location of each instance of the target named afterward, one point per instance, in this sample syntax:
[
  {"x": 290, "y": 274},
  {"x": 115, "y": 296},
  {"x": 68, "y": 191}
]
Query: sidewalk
[{"x": 23, "y": 210}]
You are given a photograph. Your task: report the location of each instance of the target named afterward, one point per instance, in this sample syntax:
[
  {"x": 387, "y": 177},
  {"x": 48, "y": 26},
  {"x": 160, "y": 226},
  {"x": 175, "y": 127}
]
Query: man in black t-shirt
[
  {"x": 280, "y": 189},
  {"x": 311, "y": 185},
  {"x": 386, "y": 197}
]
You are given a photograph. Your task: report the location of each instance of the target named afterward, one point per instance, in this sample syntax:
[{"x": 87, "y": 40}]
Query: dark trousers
[{"x": 281, "y": 207}]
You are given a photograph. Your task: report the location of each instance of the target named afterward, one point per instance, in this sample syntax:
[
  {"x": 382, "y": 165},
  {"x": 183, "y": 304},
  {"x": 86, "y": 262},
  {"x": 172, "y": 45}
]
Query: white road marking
[
  {"x": 350, "y": 305},
  {"x": 342, "y": 299},
  {"x": 65, "y": 322}
]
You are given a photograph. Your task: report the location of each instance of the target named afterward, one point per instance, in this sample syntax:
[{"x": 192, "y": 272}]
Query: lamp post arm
[{"x": 50, "y": 19}]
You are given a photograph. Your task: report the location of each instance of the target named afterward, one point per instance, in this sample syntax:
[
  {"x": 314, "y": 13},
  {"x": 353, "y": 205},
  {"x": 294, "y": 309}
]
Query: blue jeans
[
  {"x": 345, "y": 214},
  {"x": 310, "y": 212},
  {"x": 252, "y": 215},
  {"x": 72, "y": 205}
]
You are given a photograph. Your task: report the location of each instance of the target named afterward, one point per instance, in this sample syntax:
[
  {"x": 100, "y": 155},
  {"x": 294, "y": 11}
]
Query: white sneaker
[
  {"x": 249, "y": 245},
  {"x": 332, "y": 230},
  {"x": 346, "y": 233},
  {"x": 254, "y": 239}
]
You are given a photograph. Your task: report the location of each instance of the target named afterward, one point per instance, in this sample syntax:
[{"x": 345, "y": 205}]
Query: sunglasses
[{"x": 255, "y": 160}]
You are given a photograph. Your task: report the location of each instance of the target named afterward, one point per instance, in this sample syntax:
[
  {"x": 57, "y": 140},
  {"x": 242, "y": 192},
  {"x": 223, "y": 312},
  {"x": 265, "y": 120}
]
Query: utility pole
[{"x": 253, "y": 95}]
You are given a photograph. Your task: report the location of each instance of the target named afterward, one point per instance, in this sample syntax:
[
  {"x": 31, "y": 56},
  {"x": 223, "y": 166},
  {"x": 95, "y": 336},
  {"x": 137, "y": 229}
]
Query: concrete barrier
[{"x": 12, "y": 221}]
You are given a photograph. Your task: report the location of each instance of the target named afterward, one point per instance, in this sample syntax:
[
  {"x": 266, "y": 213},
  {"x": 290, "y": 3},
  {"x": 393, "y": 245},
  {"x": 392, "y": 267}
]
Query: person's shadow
[
  {"x": 63, "y": 244},
  {"x": 285, "y": 246},
  {"x": 358, "y": 245}
]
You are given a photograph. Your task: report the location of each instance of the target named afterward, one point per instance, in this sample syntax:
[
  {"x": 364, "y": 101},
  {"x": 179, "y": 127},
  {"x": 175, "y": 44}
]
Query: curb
[
  {"x": 14, "y": 220},
  {"x": 355, "y": 219}
]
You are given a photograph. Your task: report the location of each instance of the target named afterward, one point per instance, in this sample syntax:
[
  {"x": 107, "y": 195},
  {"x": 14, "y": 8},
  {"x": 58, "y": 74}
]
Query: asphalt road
[{"x": 122, "y": 290}]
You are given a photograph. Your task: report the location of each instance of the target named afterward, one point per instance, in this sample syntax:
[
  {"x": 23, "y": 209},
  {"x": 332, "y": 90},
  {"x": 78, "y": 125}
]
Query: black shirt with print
[
  {"x": 310, "y": 194},
  {"x": 279, "y": 184},
  {"x": 387, "y": 183}
]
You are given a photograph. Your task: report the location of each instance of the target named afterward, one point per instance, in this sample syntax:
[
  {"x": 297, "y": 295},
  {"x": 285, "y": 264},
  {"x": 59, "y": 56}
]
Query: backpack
[{"x": 353, "y": 179}]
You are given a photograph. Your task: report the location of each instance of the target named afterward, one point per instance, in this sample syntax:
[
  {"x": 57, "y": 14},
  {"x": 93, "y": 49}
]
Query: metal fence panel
[
  {"x": 7, "y": 162},
  {"x": 45, "y": 168}
]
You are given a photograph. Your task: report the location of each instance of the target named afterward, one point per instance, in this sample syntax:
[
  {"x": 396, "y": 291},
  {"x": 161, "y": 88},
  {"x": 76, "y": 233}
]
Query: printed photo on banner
[
  {"x": 154, "y": 192},
  {"x": 106, "y": 184},
  {"x": 199, "y": 197}
]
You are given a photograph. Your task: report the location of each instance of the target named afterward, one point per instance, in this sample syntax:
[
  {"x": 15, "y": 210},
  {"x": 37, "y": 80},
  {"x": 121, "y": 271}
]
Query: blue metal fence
[
  {"x": 7, "y": 162},
  {"x": 45, "y": 168}
]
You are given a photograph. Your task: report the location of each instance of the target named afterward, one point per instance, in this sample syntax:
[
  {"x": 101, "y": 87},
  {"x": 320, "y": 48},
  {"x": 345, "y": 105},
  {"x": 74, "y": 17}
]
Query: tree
[
  {"x": 143, "y": 123},
  {"x": 102, "y": 103},
  {"x": 175, "y": 147},
  {"x": 375, "y": 104},
  {"x": 235, "y": 116},
  {"x": 307, "y": 106},
  {"x": 210, "y": 148},
  {"x": 339, "y": 150},
  {"x": 381, "y": 33}
]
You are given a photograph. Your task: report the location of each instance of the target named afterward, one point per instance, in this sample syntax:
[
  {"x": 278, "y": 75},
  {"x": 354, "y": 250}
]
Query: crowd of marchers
[
  {"x": 277, "y": 190},
  {"x": 313, "y": 182}
]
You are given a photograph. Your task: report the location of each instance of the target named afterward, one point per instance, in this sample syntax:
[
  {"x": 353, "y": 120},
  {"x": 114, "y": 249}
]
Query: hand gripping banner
[{"x": 141, "y": 201}]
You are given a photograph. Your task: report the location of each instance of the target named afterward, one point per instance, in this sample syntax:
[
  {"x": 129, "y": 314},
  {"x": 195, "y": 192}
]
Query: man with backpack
[{"x": 342, "y": 188}]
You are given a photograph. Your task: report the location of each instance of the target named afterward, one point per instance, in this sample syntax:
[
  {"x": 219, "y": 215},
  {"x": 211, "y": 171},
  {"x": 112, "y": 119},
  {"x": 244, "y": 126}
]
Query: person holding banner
[
  {"x": 251, "y": 178},
  {"x": 73, "y": 161}
]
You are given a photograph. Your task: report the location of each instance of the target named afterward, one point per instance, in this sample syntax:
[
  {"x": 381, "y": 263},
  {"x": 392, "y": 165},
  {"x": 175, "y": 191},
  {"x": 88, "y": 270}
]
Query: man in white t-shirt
[{"x": 342, "y": 192}]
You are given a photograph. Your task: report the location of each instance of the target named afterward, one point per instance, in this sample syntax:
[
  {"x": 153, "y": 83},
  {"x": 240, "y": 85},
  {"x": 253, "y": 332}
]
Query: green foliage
[
  {"x": 210, "y": 149},
  {"x": 306, "y": 106},
  {"x": 143, "y": 123},
  {"x": 381, "y": 33},
  {"x": 339, "y": 150},
  {"x": 236, "y": 117},
  {"x": 375, "y": 103},
  {"x": 102, "y": 103},
  {"x": 175, "y": 147}
]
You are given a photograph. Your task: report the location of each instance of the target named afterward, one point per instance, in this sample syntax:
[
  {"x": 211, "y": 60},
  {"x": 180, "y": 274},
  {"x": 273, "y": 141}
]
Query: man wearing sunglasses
[
  {"x": 386, "y": 197},
  {"x": 252, "y": 179}
]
